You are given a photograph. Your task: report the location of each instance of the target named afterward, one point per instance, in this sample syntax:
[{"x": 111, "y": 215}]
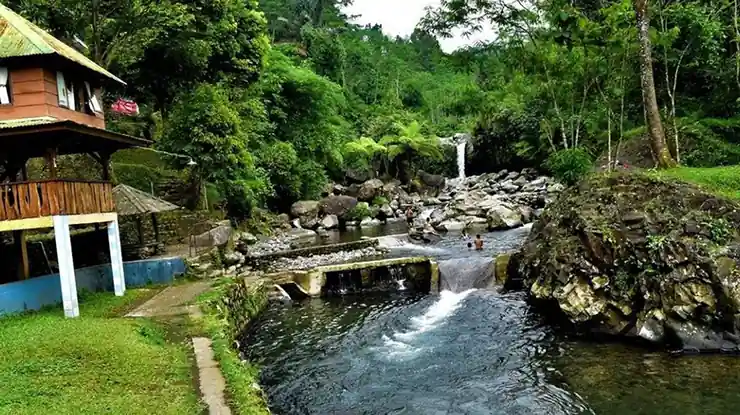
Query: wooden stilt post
[
  {"x": 105, "y": 162},
  {"x": 51, "y": 162},
  {"x": 24, "y": 270},
  {"x": 155, "y": 225},
  {"x": 19, "y": 237}
]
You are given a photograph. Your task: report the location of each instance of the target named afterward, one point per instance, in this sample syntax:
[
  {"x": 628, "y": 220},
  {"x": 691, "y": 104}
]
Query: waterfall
[
  {"x": 461, "y": 274},
  {"x": 461, "y": 159}
]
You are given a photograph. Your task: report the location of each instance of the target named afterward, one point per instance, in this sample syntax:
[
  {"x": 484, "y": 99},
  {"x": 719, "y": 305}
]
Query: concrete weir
[{"x": 419, "y": 274}]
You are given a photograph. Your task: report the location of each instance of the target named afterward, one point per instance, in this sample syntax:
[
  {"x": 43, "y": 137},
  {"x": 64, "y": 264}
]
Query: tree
[
  {"x": 409, "y": 142},
  {"x": 650, "y": 101},
  {"x": 205, "y": 126}
]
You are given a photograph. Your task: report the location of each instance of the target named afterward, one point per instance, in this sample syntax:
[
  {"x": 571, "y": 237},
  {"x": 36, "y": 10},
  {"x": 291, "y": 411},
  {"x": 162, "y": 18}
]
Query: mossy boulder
[{"x": 631, "y": 255}]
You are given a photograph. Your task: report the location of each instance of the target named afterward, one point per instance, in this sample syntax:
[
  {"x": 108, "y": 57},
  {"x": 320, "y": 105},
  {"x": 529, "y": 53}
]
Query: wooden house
[{"x": 51, "y": 105}]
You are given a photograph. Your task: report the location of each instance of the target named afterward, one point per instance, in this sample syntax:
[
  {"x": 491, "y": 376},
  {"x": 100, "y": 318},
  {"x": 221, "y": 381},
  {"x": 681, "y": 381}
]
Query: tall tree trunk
[{"x": 650, "y": 101}]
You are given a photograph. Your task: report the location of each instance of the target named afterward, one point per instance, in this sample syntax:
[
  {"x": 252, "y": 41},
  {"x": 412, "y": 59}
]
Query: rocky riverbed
[
  {"x": 303, "y": 263},
  {"x": 495, "y": 201}
]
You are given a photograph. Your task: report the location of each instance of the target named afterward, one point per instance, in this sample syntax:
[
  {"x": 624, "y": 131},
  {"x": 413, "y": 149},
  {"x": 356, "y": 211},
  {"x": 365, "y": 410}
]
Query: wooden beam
[
  {"x": 25, "y": 224},
  {"x": 24, "y": 269},
  {"x": 51, "y": 162},
  {"x": 155, "y": 225},
  {"x": 105, "y": 162}
]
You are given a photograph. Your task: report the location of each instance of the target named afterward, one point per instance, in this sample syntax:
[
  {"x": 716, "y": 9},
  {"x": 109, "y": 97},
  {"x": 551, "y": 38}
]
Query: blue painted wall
[{"x": 45, "y": 291}]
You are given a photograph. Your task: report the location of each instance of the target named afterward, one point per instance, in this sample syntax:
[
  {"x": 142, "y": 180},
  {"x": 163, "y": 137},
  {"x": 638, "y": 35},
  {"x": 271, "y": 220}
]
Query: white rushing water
[
  {"x": 400, "y": 344},
  {"x": 461, "y": 146},
  {"x": 403, "y": 243}
]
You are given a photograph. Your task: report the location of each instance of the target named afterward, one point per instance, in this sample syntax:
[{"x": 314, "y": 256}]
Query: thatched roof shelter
[{"x": 132, "y": 201}]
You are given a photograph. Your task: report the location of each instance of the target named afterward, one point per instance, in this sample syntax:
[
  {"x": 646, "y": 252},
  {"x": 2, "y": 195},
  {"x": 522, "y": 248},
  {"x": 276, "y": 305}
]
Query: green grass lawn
[
  {"x": 98, "y": 363},
  {"x": 724, "y": 181}
]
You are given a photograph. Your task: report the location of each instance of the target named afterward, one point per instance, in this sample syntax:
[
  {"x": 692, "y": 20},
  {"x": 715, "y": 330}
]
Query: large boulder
[
  {"x": 370, "y": 189},
  {"x": 432, "y": 180},
  {"x": 630, "y": 255},
  {"x": 305, "y": 210},
  {"x": 501, "y": 217},
  {"x": 337, "y": 205},
  {"x": 330, "y": 222}
]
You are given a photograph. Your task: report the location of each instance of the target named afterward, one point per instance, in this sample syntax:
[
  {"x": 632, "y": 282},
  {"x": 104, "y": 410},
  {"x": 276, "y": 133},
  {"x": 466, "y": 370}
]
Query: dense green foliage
[
  {"x": 274, "y": 99},
  {"x": 564, "y": 74},
  {"x": 569, "y": 165}
]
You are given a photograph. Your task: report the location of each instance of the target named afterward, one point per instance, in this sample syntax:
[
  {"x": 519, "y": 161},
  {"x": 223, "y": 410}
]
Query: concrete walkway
[{"x": 178, "y": 300}]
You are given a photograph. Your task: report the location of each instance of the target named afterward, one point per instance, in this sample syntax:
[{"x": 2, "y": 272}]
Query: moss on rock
[{"x": 617, "y": 250}]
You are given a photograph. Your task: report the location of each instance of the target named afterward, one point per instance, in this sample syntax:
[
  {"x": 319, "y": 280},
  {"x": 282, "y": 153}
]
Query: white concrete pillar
[
  {"x": 116, "y": 258},
  {"x": 66, "y": 266}
]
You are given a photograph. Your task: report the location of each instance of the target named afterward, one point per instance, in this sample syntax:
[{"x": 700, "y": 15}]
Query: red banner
[{"x": 125, "y": 107}]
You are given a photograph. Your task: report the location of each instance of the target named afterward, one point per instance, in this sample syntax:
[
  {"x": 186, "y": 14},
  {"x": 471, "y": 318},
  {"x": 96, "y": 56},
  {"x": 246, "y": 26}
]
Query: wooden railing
[{"x": 25, "y": 200}]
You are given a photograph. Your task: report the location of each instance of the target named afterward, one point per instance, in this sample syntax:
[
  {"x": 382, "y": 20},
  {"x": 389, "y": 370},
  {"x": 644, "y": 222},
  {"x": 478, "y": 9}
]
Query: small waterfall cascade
[
  {"x": 462, "y": 274},
  {"x": 395, "y": 277},
  {"x": 461, "y": 149}
]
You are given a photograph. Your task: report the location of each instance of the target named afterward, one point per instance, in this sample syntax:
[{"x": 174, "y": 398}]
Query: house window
[
  {"x": 91, "y": 100},
  {"x": 4, "y": 86},
  {"x": 66, "y": 92}
]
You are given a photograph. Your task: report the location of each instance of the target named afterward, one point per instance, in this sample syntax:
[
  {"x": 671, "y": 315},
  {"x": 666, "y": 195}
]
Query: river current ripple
[{"x": 469, "y": 352}]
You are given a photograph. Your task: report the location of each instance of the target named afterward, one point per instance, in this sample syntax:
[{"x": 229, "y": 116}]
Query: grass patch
[
  {"x": 98, "y": 363},
  {"x": 724, "y": 181},
  {"x": 242, "y": 378}
]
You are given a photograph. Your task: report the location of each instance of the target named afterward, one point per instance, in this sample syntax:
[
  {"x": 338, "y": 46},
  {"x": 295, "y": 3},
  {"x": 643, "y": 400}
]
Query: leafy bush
[
  {"x": 570, "y": 165},
  {"x": 380, "y": 201},
  {"x": 359, "y": 212}
]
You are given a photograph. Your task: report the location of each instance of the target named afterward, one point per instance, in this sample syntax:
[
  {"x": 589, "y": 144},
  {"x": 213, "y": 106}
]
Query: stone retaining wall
[{"x": 238, "y": 303}]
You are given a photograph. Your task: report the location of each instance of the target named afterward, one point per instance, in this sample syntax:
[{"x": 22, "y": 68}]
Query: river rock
[
  {"x": 370, "y": 189},
  {"x": 246, "y": 238},
  {"x": 392, "y": 189},
  {"x": 555, "y": 188},
  {"x": 233, "y": 258},
  {"x": 338, "y": 189},
  {"x": 299, "y": 234},
  {"x": 357, "y": 175},
  {"x": 509, "y": 186},
  {"x": 526, "y": 212},
  {"x": 386, "y": 211},
  {"x": 432, "y": 180},
  {"x": 501, "y": 217},
  {"x": 451, "y": 226},
  {"x": 330, "y": 222},
  {"x": 369, "y": 223},
  {"x": 337, "y": 205},
  {"x": 614, "y": 256},
  {"x": 305, "y": 210},
  {"x": 521, "y": 181}
]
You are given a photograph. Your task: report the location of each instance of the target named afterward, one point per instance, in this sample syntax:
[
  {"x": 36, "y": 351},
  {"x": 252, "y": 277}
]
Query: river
[{"x": 467, "y": 351}]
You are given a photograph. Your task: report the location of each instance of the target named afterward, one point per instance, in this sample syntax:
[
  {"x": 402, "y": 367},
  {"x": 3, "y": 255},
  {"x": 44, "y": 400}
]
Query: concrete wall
[{"x": 45, "y": 291}]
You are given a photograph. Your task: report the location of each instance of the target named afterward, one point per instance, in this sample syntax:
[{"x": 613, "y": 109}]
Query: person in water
[
  {"x": 478, "y": 243},
  {"x": 409, "y": 216},
  {"x": 470, "y": 245}
]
